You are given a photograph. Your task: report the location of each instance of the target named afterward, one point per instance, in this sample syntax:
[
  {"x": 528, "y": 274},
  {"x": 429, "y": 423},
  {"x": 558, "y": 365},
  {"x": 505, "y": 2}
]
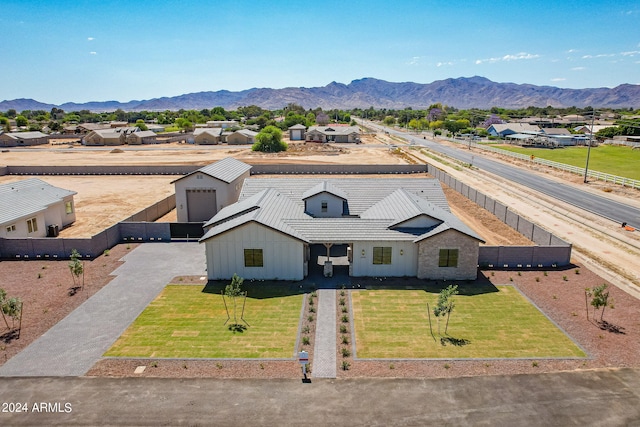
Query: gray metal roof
[
  {"x": 227, "y": 170},
  {"x": 335, "y": 130},
  {"x": 25, "y": 135},
  {"x": 380, "y": 207},
  {"x": 362, "y": 193},
  {"x": 324, "y": 187},
  {"x": 27, "y": 198}
]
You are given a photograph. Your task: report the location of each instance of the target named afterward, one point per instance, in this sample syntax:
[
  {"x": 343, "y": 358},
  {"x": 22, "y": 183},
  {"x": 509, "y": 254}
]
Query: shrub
[
  {"x": 310, "y": 318},
  {"x": 345, "y": 318},
  {"x": 345, "y": 365},
  {"x": 537, "y": 279},
  {"x": 345, "y": 310},
  {"x": 545, "y": 274},
  {"x": 345, "y": 340},
  {"x": 565, "y": 278},
  {"x": 577, "y": 271},
  {"x": 306, "y": 340},
  {"x": 342, "y": 301},
  {"x": 345, "y": 352},
  {"x": 312, "y": 309},
  {"x": 534, "y": 364},
  {"x": 306, "y": 329},
  {"x": 311, "y": 303},
  {"x": 343, "y": 329}
]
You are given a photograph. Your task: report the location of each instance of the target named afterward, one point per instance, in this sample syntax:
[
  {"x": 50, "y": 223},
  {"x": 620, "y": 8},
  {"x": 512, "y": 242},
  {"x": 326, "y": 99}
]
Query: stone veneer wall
[{"x": 429, "y": 251}]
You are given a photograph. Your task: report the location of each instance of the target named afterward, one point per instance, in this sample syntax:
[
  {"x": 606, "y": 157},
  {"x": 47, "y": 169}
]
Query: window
[
  {"x": 199, "y": 176},
  {"x": 32, "y": 225},
  {"x": 448, "y": 258},
  {"x": 68, "y": 207},
  {"x": 324, "y": 206},
  {"x": 11, "y": 228},
  {"x": 253, "y": 258},
  {"x": 381, "y": 255}
]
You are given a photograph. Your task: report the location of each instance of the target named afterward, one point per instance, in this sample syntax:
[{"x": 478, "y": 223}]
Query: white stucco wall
[
  {"x": 22, "y": 230},
  {"x": 401, "y": 265},
  {"x": 283, "y": 256}
]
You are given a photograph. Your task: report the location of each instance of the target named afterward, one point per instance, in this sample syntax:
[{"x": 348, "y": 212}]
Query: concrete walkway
[
  {"x": 324, "y": 351},
  {"x": 74, "y": 345}
]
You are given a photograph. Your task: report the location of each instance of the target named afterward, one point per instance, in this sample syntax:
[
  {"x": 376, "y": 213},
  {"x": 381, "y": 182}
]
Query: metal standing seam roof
[
  {"x": 323, "y": 187},
  {"x": 27, "y": 198},
  {"x": 25, "y": 135},
  {"x": 362, "y": 193},
  {"x": 283, "y": 210},
  {"x": 227, "y": 170}
]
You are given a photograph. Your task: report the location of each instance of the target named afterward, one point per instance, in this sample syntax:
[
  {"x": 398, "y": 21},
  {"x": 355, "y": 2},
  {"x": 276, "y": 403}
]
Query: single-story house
[
  {"x": 296, "y": 132},
  {"x": 242, "y": 136},
  {"x": 286, "y": 228},
  {"x": 19, "y": 139},
  {"x": 111, "y": 136},
  {"x": 142, "y": 137},
  {"x": 333, "y": 134},
  {"x": 207, "y": 136},
  {"x": 29, "y": 208},
  {"x": 503, "y": 129},
  {"x": 84, "y": 128},
  {"x": 202, "y": 193},
  {"x": 222, "y": 124}
]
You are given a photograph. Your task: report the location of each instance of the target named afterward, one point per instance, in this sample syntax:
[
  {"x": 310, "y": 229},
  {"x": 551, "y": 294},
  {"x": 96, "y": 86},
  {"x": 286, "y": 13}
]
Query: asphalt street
[
  {"x": 602, "y": 206},
  {"x": 587, "y": 398}
]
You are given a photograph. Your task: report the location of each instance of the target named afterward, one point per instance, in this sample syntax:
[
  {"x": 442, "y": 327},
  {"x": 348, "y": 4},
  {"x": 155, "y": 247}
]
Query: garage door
[{"x": 201, "y": 204}]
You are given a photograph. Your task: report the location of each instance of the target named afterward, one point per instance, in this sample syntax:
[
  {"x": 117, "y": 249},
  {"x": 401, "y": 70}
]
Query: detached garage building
[{"x": 202, "y": 193}]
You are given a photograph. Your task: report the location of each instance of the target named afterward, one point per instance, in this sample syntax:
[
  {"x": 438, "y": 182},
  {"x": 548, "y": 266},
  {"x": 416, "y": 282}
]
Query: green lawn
[
  {"x": 186, "y": 321},
  {"x": 615, "y": 160},
  {"x": 495, "y": 324}
]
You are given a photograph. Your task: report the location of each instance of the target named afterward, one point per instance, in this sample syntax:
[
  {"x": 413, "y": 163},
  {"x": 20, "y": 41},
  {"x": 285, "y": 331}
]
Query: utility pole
[{"x": 586, "y": 168}]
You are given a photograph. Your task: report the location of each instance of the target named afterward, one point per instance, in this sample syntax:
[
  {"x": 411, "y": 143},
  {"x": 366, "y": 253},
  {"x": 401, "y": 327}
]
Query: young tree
[
  {"x": 269, "y": 140},
  {"x": 599, "y": 299},
  {"x": 445, "y": 305},
  {"x": 77, "y": 268},
  {"x": 234, "y": 290},
  {"x": 11, "y": 307}
]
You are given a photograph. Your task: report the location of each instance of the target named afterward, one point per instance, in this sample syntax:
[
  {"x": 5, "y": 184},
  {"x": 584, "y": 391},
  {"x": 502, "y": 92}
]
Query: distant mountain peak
[{"x": 459, "y": 92}]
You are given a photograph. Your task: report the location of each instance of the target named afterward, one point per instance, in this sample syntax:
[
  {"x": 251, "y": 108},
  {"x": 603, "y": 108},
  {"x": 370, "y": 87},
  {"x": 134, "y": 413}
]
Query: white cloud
[
  {"x": 93, "y": 53},
  {"x": 558, "y": 79},
  {"x": 90, "y": 38},
  {"x": 600, "y": 55},
  {"x": 630, "y": 53},
  {"x": 414, "y": 60},
  {"x": 578, "y": 68},
  {"x": 572, "y": 51},
  {"x": 442, "y": 64},
  {"x": 516, "y": 57}
]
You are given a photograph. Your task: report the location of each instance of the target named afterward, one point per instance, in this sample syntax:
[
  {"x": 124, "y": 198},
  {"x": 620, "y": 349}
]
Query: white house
[
  {"x": 241, "y": 136},
  {"x": 286, "y": 228},
  {"x": 29, "y": 207},
  {"x": 504, "y": 129},
  {"x": 202, "y": 193}
]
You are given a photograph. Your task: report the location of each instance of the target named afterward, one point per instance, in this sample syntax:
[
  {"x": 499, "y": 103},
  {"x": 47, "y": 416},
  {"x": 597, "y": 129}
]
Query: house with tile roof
[
  {"x": 29, "y": 207},
  {"x": 19, "y": 139},
  {"x": 202, "y": 193},
  {"x": 288, "y": 228}
]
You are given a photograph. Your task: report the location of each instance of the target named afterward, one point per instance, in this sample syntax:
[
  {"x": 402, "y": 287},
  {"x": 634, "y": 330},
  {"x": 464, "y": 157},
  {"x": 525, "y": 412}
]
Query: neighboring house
[
  {"x": 142, "y": 137},
  {"x": 84, "y": 128},
  {"x": 586, "y": 129},
  {"x": 503, "y": 129},
  {"x": 296, "y": 132},
  {"x": 242, "y": 136},
  {"x": 207, "y": 136},
  {"x": 222, "y": 124},
  {"x": 111, "y": 136},
  {"x": 333, "y": 134},
  {"x": 202, "y": 193},
  {"x": 285, "y": 228},
  {"x": 560, "y": 136},
  {"x": 19, "y": 139},
  {"x": 28, "y": 208}
]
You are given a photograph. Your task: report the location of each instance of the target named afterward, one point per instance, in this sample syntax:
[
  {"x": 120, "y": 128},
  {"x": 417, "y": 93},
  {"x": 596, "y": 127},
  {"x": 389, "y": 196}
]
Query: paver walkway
[
  {"x": 324, "y": 351},
  {"x": 74, "y": 345}
]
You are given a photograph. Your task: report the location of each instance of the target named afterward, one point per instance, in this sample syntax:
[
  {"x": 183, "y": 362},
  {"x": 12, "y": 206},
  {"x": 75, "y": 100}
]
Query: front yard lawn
[
  {"x": 499, "y": 323},
  {"x": 185, "y": 321}
]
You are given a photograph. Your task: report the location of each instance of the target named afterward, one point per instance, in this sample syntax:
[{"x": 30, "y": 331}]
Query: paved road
[
  {"x": 602, "y": 206},
  {"x": 75, "y": 344},
  {"x": 603, "y": 398}
]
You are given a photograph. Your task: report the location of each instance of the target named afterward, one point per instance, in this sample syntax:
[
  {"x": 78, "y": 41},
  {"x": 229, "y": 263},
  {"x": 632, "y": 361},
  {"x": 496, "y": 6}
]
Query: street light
[{"x": 586, "y": 168}]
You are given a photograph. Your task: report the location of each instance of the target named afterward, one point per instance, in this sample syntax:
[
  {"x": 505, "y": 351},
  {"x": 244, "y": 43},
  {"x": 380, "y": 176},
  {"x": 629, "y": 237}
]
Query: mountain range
[{"x": 462, "y": 93}]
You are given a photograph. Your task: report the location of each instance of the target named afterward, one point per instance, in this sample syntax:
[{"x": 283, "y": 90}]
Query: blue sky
[{"x": 60, "y": 51}]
